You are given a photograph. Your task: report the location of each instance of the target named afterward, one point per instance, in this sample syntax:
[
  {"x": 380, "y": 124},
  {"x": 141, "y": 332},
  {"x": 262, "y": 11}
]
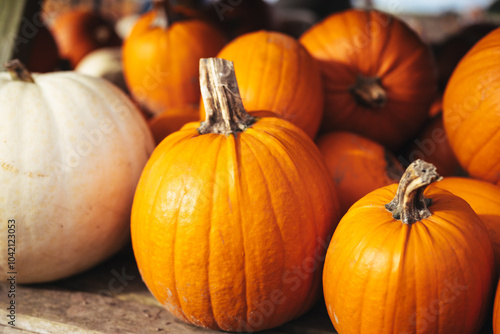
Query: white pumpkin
[
  {"x": 72, "y": 149},
  {"x": 104, "y": 63}
]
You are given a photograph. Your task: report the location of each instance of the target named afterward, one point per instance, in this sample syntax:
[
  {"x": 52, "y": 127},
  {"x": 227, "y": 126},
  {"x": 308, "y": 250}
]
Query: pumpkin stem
[
  {"x": 221, "y": 96},
  {"x": 409, "y": 205},
  {"x": 369, "y": 92},
  {"x": 165, "y": 14},
  {"x": 18, "y": 71}
]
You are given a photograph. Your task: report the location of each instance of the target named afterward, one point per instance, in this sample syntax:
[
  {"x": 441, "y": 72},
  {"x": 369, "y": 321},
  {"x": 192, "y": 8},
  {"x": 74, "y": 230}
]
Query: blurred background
[
  {"x": 449, "y": 27},
  {"x": 433, "y": 19}
]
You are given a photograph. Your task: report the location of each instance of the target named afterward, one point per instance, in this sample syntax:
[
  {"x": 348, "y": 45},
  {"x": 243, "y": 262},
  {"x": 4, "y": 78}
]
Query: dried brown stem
[
  {"x": 18, "y": 71},
  {"x": 409, "y": 204},
  {"x": 221, "y": 96}
]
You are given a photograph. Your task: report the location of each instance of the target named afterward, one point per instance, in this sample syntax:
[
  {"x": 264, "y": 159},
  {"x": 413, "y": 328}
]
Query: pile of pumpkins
[{"x": 265, "y": 172}]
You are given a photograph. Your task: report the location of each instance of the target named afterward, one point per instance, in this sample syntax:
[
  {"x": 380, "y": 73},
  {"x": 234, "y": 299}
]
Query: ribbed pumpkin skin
[
  {"x": 434, "y": 276},
  {"x": 471, "y": 107},
  {"x": 373, "y": 44},
  {"x": 229, "y": 232},
  {"x": 357, "y": 165},
  {"x": 161, "y": 65},
  {"x": 484, "y": 198},
  {"x": 276, "y": 73}
]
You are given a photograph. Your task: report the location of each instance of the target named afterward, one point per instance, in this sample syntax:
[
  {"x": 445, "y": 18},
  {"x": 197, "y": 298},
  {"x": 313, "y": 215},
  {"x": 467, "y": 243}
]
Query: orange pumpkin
[
  {"x": 432, "y": 145},
  {"x": 357, "y": 165},
  {"x": 405, "y": 260},
  {"x": 161, "y": 54},
  {"x": 484, "y": 198},
  {"x": 172, "y": 120},
  {"x": 379, "y": 77},
  {"x": 78, "y": 32},
  {"x": 276, "y": 73},
  {"x": 231, "y": 216},
  {"x": 471, "y": 107}
]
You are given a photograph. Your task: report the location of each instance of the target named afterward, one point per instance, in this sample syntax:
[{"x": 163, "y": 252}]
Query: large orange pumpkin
[
  {"x": 276, "y": 73},
  {"x": 471, "y": 107},
  {"x": 161, "y": 54},
  {"x": 357, "y": 165},
  {"x": 379, "y": 77},
  {"x": 484, "y": 198},
  {"x": 405, "y": 260},
  {"x": 78, "y": 32},
  {"x": 231, "y": 216}
]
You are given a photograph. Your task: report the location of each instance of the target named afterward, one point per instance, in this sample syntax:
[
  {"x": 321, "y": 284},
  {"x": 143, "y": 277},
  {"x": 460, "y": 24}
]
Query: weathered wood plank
[{"x": 112, "y": 299}]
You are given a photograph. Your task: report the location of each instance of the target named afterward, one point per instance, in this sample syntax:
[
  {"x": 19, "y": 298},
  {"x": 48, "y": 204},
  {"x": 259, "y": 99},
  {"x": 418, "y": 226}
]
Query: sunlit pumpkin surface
[
  {"x": 433, "y": 276},
  {"x": 362, "y": 44},
  {"x": 160, "y": 63},
  {"x": 229, "y": 232},
  {"x": 471, "y": 110}
]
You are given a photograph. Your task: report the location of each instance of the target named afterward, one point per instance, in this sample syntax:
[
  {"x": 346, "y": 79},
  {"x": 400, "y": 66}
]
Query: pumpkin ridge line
[
  {"x": 160, "y": 182},
  {"x": 241, "y": 196},
  {"x": 269, "y": 194},
  {"x": 445, "y": 238},
  {"x": 211, "y": 196},
  {"x": 482, "y": 147}
]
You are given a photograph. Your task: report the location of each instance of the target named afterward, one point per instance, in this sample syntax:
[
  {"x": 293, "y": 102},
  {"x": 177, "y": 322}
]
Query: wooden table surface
[{"x": 111, "y": 298}]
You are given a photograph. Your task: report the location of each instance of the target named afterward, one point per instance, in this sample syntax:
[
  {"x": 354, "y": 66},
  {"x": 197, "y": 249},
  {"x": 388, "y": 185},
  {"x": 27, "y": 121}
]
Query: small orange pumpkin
[
  {"x": 276, "y": 73},
  {"x": 408, "y": 260},
  {"x": 78, "y": 32},
  {"x": 231, "y": 216},
  {"x": 379, "y": 77},
  {"x": 471, "y": 107},
  {"x": 484, "y": 198},
  {"x": 161, "y": 54},
  {"x": 357, "y": 165}
]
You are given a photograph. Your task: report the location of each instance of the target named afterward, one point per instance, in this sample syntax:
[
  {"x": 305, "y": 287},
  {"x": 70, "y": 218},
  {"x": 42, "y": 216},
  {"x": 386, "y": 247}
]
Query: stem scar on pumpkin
[
  {"x": 224, "y": 109},
  {"x": 18, "y": 71},
  {"x": 409, "y": 204},
  {"x": 368, "y": 92}
]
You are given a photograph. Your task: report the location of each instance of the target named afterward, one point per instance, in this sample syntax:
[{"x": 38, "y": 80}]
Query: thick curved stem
[
  {"x": 221, "y": 96},
  {"x": 18, "y": 71},
  {"x": 369, "y": 92},
  {"x": 409, "y": 204}
]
